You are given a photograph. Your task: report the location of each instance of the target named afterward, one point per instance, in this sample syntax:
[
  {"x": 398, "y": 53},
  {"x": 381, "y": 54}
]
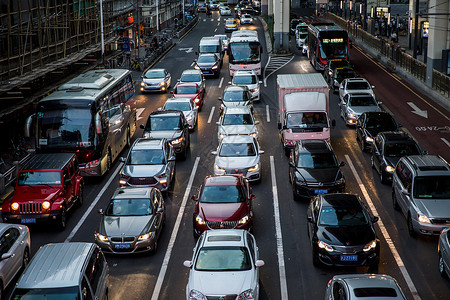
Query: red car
[
  {"x": 223, "y": 202},
  {"x": 189, "y": 90}
]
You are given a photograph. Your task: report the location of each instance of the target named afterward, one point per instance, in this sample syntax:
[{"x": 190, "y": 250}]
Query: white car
[
  {"x": 352, "y": 105},
  {"x": 195, "y": 76},
  {"x": 225, "y": 11},
  {"x": 236, "y": 96},
  {"x": 246, "y": 19},
  {"x": 187, "y": 106},
  {"x": 249, "y": 79},
  {"x": 237, "y": 120},
  {"x": 355, "y": 85},
  {"x": 225, "y": 265},
  {"x": 225, "y": 40},
  {"x": 238, "y": 154}
]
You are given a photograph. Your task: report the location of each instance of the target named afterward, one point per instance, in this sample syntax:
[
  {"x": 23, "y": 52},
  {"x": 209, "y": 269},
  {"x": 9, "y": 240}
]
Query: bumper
[
  {"x": 309, "y": 192},
  {"x": 199, "y": 229},
  {"x": 160, "y": 186},
  {"x": 229, "y": 29},
  {"x": 251, "y": 176},
  {"x": 179, "y": 148},
  {"x": 334, "y": 258},
  {"x": 31, "y": 218},
  {"x": 428, "y": 229},
  {"x": 152, "y": 88},
  {"x": 128, "y": 247}
]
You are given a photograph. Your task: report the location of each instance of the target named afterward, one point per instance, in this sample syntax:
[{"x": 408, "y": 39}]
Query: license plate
[
  {"x": 320, "y": 191},
  {"x": 206, "y": 72},
  {"x": 28, "y": 220},
  {"x": 349, "y": 257},
  {"x": 122, "y": 246}
]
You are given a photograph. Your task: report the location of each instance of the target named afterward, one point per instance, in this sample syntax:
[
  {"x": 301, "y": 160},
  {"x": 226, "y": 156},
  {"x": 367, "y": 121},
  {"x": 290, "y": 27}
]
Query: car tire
[
  {"x": 361, "y": 145},
  {"x": 155, "y": 247},
  {"x": 442, "y": 270},
  {"x": 62, "y": 223},
  {"x": 372, "y": 164},
  {"x": 294, "y": 194},
  {"x": 25, "y": 259},
  {"x": 383, "y": 177},
  {"x": 411, "y": 231}
]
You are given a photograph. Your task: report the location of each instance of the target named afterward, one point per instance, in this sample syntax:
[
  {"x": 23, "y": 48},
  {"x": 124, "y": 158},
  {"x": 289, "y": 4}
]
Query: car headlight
[
  {"x": 162, "y": 178},
  {"x": 162, "y": 83},
  {"x": 369, "y": 139},
  {"x": 243, "y": 220},
  {"x": 15, "y": 206},
  {"x": 215, "y": 67},
  {"x": 199, "y": 220},
  {"x": 254, "y": 168},
  {"x": 196, "y": 67},
  {"x": 253, "y": 134},
  {"x": 325, "y": 246},
  {"x": 102, "y": 238},
  {"x": 370, "y": 246},
  {"x": 177, "y": 141},
  {"x": 146, "y": 236},
  {"x": 422, "y": 218},
  {"x": 196, "y": 100},
  {"x": 247, "y": 295},
  {"x": 45, "y": 205},
  {"x": 142, "y": 83},
  {"x": 351, "y": 115},
  {"x": 218, "y": 169},
  {"x": 221, "y": 136},
  {"x": 123, "y": 179},
  {"x": 390, "y": 169},
  {"x": 196, "y": 295}
]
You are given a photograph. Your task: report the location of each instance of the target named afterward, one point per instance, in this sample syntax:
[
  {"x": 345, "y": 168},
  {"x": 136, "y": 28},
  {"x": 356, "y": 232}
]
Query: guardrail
[{"x": 9, "y": 177}]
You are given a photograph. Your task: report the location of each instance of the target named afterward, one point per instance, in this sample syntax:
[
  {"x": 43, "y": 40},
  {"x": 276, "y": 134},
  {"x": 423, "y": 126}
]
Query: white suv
[{"x": 249, "y": 79}]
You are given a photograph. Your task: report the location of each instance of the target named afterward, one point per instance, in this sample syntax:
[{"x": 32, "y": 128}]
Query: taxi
[{"x": 231, "y": 25}]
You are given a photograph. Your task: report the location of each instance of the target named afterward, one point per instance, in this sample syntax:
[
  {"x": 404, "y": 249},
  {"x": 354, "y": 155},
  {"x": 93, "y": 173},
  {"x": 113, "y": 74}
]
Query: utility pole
[
  {"x": 416, "y": 30},
  {"x": 101, "y": 32},
  {"x": 139, "y": 28}
]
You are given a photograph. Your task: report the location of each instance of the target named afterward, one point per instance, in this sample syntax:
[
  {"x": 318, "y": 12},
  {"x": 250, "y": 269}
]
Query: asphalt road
[{"x": 413, "y": 262}]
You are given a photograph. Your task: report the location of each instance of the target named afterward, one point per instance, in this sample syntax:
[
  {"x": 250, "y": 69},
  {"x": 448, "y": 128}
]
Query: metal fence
[{"x": 9, "y": 177}]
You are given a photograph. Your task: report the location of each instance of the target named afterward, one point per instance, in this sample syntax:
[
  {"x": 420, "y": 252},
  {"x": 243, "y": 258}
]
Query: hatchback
[
  {"x": 246, "y": 19},
  {"x": 250, "y": 80},
  {"x": 369, "y": 124},
  {"x": 353, "y": 105},
  {"x": 355, "y": 85},
  {"x": 237, "y": 120},
  {"x": 156, "y": 80},
  {"x": 187, "y": 106}
]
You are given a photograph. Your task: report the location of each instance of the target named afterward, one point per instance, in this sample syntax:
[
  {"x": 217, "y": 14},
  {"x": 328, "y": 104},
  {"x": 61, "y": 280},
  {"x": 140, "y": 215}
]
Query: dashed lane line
[
  {"x": 220, "y": 83},
  {"x": 268, "y": 113},
  {"x": 211, "y": 114}
]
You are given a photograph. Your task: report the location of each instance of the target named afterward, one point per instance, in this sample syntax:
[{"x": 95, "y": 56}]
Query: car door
[
  {"x": 68, "y": 186},
  {"x": 167, "y": 78},
  {"x": 115, "y": 127},
  {"x": 169, "y": 155},
  {"x": 343, "y": 106},
  {"x": 403, "y": 184},
  {"x": 253, "y": 249},
  {"x": 158, "y": 208},
  {"x": 342, "y": 88},
  {"x": 10, "y": 245},
  {"x": 378, "y": 153},
  {"x": 73, "y": 178},
  {"x": 313, "y": 212},
  {"x": 360, "y": 123}
]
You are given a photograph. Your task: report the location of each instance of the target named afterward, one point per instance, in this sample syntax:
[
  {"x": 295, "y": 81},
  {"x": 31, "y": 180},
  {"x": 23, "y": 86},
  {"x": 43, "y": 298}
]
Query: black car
[
  {"x": 338, "y": 75},
  {"x": 332, "y": 65},
  {"x": 341, "y": 232},
  {"x": 369, "y": 124},
  {"x": 314, "y": 169},
  {"x": 388, "y": 148},
  {"x": 209, "y": 64},
  {"x": 170, "y": 125}
]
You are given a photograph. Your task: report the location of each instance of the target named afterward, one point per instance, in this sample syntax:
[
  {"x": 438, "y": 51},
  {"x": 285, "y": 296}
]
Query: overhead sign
[{"x": 125, "y": 44}]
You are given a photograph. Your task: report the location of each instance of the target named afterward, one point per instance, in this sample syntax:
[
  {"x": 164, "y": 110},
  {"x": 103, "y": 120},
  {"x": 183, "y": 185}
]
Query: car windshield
[
  {"x": 345, "y": 73},
  {"x": 203, "y": 59},
  {"x": 183, "y": 106},
  {"x": 245, "y": 79},
  {"x": 66, "y": 293},
  {"x": 381, "y": 123},
  {"x": 186, "y": 89},
  {"x": 358, "y": 85},
  {"x": 189, "y": 77},
  {"x": 223, "y": 259},
  {"x": 237, "y": 119},
  {"x": 154, "y": 74},
  {"x": 231, "y": 96},
  {"x": 146, "y": 157},
  {"x": 237, "y": 149},
  {"x": 401, "y": 149},
  {"x": 157, "y": 123},
  {"x": 362, "y": 101},
  {"x": 223, "y": 194},
  {"x": 39, "y": 178},
  {"x": 128, "y": 207},
  {"x": 316, "y": 160},
  {"x": 306, "y": 120},
  {"x": 338, "y": 64},
  {"x": 246, "y": 16},
  {"x": 432, "y": 187},
  {"x": 230, "y": 22},
  {"x": 343, "y": 216},
  {"x": 209, "y": 49}
]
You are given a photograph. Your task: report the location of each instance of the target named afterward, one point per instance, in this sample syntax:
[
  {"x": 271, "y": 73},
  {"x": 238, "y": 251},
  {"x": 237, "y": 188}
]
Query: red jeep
[{"x": 47, "y": 187}]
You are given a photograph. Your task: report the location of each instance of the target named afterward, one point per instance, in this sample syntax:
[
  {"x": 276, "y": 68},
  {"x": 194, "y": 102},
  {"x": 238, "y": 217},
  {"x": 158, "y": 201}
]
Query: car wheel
[
  {"x": 371, "y": 162},
  {"x": 383, "y": 177},
  {"x": 411, "y": 231},
  {"x": 80, "y": 199},
  {"x": 108, "y": 161},
  {"x": 362, "y": 144},
  {"x": 155, "y": 247},
  {"x": 294, "y": 194},
  {"x": 25, "y": 259},
  {"x": 394, "y": 201},
  {"x": 442, "y": 270},
  {"x": 62, "y": 219}
]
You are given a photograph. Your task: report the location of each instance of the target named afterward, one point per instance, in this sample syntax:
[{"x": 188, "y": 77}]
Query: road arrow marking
[
  {"x": 187, "y": 50},
  {"x": 418, "y": 111},
  {"x": 139, "y": 111}
]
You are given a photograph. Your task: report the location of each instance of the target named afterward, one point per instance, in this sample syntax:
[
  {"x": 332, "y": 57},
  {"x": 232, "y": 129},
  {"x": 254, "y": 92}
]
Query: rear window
[{"x": 375, "y": 292}]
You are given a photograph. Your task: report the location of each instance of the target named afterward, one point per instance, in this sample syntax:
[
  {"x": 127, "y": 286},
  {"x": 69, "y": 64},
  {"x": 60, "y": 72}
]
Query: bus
[
  {"x": 326, "y": 41},
  {"x": 244, "y": 52},
  {"x": 90, "y": 116}
]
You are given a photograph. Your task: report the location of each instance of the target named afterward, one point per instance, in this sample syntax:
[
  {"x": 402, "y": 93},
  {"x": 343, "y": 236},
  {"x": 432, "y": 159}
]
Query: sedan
[
  {"x": 248, "y": 79},
  {"x": 225, "y": 265},
  {"x": 209, "y": 64},
  {"x": 225, "y": 11},
  {"x": 187, "y": 106},
  {"x": 341, "y": 232},
  {"x": 156, "y": 80},
  {"x": 355, "y": 85},
  {"x": 238, "y": 154},
  {"x": 189, "y": 90},
  {"x": 369, "y": 124},
  {"x": 353, "y": 105},
  {"x": 14, "y": 251},
  {"x": 246, "y": 19},
  {"x": 231, "y": 25},
  {"x": 132, "y": 221},
  {"x": 444, "y": 253},
  {"x": 223, "y": 202},
  {"x": 237, "y": 120}
]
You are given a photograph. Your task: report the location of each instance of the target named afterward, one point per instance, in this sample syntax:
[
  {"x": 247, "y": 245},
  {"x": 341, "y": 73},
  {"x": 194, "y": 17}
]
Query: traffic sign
[{"x": 125, "y": 44}]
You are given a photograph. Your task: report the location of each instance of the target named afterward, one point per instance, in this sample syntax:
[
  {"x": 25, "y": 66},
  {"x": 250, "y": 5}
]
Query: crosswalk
[{"x": 274, "y": 63}]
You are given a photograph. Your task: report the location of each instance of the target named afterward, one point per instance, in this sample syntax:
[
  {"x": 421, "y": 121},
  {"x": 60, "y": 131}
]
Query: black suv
[
  {"x": 339, "y": 74},
  {"x": 170, "y": 125},
  {"x": 314, "y": 169},
  {"x": 331, "y": 67},
  {"x": 387, "y": 149},
  {"x": 371, "y": 123}
]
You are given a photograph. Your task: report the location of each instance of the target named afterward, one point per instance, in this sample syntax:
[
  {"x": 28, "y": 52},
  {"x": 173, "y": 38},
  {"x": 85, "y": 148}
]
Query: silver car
[
  {"x": 248, "y": 79},
  {"x": 238, "y": 154},
  {"x": 444, "y": 253},
  {"x": 361, "y": 286},
  {"x": 225, "y": 11},
  {"x": 355, "y": 85},
  {"x": 15, "y": 252},
  {"x": 237, "y": 120},
  {"x": 132, "y": 221},
  {"x": 156, "y": 80},
  {"x": 246, "y": 19},
  {"x": 354, "y": 104},
  {"x": 187, "y": 106},
  {"x": 236, "y": 96},
  {"x": 224, "y": 256},
  {"x": 195, "y": 76}
]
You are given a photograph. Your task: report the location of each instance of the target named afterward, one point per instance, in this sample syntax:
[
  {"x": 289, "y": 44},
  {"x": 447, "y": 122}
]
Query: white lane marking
[
  {"x": 220, "y": 83},
  {"x": 279, "y": 236},
  {"x": 176, "y": 227},
  {"x": 264, "y": 80},
  {"x": 385, "y": 233},
  {"x": 212, "y": 20},
  {"x": 215, "y": 29},
  {"x": 268, "y": 113},
  {"x": 211, "y": 114},
  {"x": 139, "y": 111},
  {"x": 204, "y": 20},
  {"x": 192, "y": 63},
  {"x": 278, "y": 65},
  {"x": 91, "y": 207},
  {"x": 445, "y": 141},
  {"x": 418, "y": 111}
]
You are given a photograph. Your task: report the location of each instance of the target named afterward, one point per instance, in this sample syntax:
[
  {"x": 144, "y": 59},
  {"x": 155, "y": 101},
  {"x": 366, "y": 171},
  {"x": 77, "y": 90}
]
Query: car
[
  {"x": 332, "y": 65},
  {"x": 341, "y": 232},
  {"x": 370, "y": 123},
  {"x": 421, "y": 191},
  {"x": 339, "y": 74},
  {"x": 15, "y": 250},
  {"x": 246, "y": 19},
  {"x": 132, "y": 221},
  {"x": 224, "y": 255},
  {"x": 149, "y": 163},
  {"x": 209, "y": 63},
  {"x": 361, "y": 286},
  {"x": 230, "y": 25},
  {"x": 223, "y": 202},
  {"x": 238, "y": 154},
  {"x": 237, "y": 121},
  {"x": 201, "y": 7},
  {"x": 195, "y": 76},
  {"x": 249, "y": 79},
  {"x": 225, "y": 11},
  {"x": 171, "y": 125},
  {"x": 187, "y": 106},
  {"x": 156, "y": 80},
  {"x": 355, "y": 85},
  {"x": 314, "y": 169},
  {"x": 444, "y": 253},
  {"x": 354, "y": 104},
  {"x": 236, "y": 96},
  {"x": 387, "y": 149},
  {"x": 189, "y": 90},
  {"x": 213, "y": 5},
  {"x": 225, "y": 40},
  {"x": 48, "y": 187}
]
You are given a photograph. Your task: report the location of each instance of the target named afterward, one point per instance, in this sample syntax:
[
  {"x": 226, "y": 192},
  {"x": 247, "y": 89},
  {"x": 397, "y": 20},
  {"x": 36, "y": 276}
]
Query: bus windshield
[
  {"x": 333, "y": 44},
  {"x": 248, "y": 52}
]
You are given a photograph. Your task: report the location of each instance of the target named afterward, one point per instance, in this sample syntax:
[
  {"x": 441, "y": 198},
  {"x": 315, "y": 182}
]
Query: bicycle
[{"x": 134, "y": 64}]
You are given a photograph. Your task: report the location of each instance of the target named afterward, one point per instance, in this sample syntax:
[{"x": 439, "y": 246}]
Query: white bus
[{"x": 244, "y": 51}]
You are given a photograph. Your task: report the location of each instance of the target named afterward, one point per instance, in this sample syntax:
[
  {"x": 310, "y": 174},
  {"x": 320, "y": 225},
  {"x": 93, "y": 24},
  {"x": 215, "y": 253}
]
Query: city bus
[
  {"x": 90, "y": 116},
  {"x": 326, "y": 41},
  {"x": 244, "y": 52}
]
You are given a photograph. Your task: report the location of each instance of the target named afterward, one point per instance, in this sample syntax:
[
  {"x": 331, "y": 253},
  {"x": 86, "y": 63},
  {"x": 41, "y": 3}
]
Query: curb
[{"x": 266, "y": 34}]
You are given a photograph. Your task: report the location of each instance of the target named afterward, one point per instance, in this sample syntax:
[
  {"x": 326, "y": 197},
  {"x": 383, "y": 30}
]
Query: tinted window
[
  {"x": 66, "y": 293},
  {"x": 432, "y": 187},
  {"x": 223, "y": 259},
  {"x": 94, "y": 269},
  {"x": 343, "y": 216},
  {"x": 362, "y": 101},
  {"x": 400, "y": 149},
  {"x": 236, "y": 96},
  {"x": 129, "y": 207},
  {"x": 375, "y": 292},
  {"x": 306, "y": 120},
  {"x": 207, "y": 59},
  {"x": 404, "y": 175},
  {"x": 154, "y": 74},
  {"x": 381, "y": 123},
  {"x": 316, "y": 160},
  {"x": 186, "y": 89},
  {"x": 235, "y": 119},
  {"x": 247, "y": 79},
  {"x": 189, "y": 77},
  {"x": 237, "y": 149},
  {"x": 157, "y": 123},
  {"x": 358, "y": 85},
  {"x": 183, "y": 106},
  {"x": 39, "y": 178},
  {"x": 223, "y": 194}
]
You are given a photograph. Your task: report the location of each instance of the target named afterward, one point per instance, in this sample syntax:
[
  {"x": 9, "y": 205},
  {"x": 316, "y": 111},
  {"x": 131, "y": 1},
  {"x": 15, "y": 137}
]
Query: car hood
[
  {"x": 346, "y": 235},
  {"x": 206, "y": 65},
  {"x": 212, "y": 283},
  {"x": 25, "y": 193},
  {"x": 360, "y": 109},
  {"x": 434, "y": 208},
  {"x": 153, "y": 80},
  {"x": 167, "y": 134},
  {"x": 237, "y": 129},
  {"x": 125, "y": 226},
  {"x": 142, "y": 170},
  {"x": 319, "y": 175},
  {"x": 216, "y": 212},
  {"x": 237, "y": 162}
]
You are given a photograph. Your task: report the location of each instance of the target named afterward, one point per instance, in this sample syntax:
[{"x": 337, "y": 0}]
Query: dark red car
[
  {"x": 189, "y": 90},
  {"x": 223, "y": 202}
]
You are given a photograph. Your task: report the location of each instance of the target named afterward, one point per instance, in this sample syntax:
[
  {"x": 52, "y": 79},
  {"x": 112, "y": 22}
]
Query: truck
[{"x": 303, "y": 108}]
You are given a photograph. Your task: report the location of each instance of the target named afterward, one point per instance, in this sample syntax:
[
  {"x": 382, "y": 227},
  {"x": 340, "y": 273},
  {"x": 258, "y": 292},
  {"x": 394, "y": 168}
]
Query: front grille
[
  {"x": 321, "y": 184},
  {"x": 236, "y": 171},
  {"x": 142, "y": 180},
  {"x": 225, "y": 297},
  {"x": 124, "y": 239},
  {"x": 348, "y": 249},
  {"x": 30, "y": 208},
  {"x": 222, "y": 225},
  {"x": 440, "y": 221}
]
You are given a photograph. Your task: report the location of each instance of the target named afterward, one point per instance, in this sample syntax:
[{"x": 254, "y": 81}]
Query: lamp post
[{"x": 101, "y": 32}]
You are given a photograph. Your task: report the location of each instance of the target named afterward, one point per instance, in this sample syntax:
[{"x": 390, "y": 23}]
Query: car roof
[
  {"x": 224, "y": 237},
  {"x": 340, "y": 200},
  {"x": 49, "y": 161},
  {"x": 356, "y": 79},
  {"x": 355, "y": 281},
  {"x": 396, "y": 136},
  {"x": 145, "y": 143},
  {"x": 244, "y": 73},
  {"x": 132, "y": 192},
  {"x": 429, "y": 164},
  {"x": 166, "y": 112},
  {"x": 213, "y": 180},
  {"x": 237, "y": 139}
]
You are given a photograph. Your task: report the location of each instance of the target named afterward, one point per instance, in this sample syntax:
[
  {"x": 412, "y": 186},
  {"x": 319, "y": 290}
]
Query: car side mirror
[
  {"x": 214, "y": 152},
  {"x": 179, "y": 79},
  {"x": 257, "y": 122},
  {"x": 377, "y": 152},
  {"x": 259, "y": 263},
  {"x": 400, "y": 125},
  {"x": 172, "y": 92},
  {"x": 172, "y": 158},
  {"x": 67, "y": 181},
  {"x": 372, "y": 86},
  {"x": 194, "y": 198},
  {"x": 159, "y": 108},
  {"x": 405, "y": 192},
  {"x": 261, "y": 152},
  {"x": 142, "y": 126},
  {"x": 279, "y": 125},
  {"x": 342, "y": 164},
  {"x": 6, "y": 256},
  {"x": 229, "y": 82},
  {"x": 160, "y": 210},
  {"x": 310, "y": 219},
  {"x": 252, "y": 197},
  {"x": 424, "y": 152},
  {"x": 379, "y": 102},
  {"x": 220, "y": 98},
  {"x": 260, "y": 82},
  {"x": 291, "y": 163},
  {"x": 375, "y": 219},
  {"x": 100, "y": 211},
  {"x": 217, "y": 123},
  {"x": 187, "y": 263},
  {"x": 122, "y": 159}
]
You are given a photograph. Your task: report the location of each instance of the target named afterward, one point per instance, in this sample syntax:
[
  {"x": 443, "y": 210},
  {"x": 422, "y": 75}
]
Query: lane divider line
[
  {"x": 384, "y": 232},
  {"x": 268, "y": 113},
  {"x": 211, "y": 114},
  {"x": 220, "y": 83},
  {"x": 173, "y": 236},
  {"x": 445, "y": 141}
]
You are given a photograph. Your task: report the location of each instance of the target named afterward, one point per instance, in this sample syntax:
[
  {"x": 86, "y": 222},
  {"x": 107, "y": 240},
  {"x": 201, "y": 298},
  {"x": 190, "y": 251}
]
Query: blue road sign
[{"x": 125, "y": 44}]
